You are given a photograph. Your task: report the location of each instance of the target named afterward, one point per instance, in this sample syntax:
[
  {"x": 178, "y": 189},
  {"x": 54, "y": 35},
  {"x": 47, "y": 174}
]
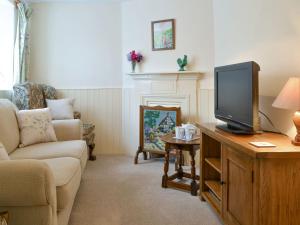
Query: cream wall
[
  {"x": 267, "y": 32},
  {"x": 76, "y": 44},
  {"x": 78, "y": 47},
  {"x": 194, "y": 36},
  {"x": 85, "y": 65}
]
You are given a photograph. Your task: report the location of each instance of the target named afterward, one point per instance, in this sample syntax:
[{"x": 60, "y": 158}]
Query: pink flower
[{"x": 133, "y": 56}]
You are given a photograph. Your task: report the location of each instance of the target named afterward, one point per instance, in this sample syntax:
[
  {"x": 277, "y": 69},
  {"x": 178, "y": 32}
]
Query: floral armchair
[
  {"x": 33, "y": 96},
  {"x": 30, "y": 95}
]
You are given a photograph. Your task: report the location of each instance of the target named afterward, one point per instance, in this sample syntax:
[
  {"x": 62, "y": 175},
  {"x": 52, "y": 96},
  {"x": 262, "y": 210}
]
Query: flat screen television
[{"x": 236, "y": 97}]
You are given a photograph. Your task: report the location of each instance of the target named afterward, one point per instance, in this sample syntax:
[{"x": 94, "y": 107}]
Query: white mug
[
  {"x": 189, "y": 133},
  {"x": 179, "y": 132}
]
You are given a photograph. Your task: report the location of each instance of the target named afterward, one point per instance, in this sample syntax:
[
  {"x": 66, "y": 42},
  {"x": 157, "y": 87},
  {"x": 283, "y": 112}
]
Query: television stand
[
  {"x": 246, "y": 185},
  {"x": 234, "y": 130}
]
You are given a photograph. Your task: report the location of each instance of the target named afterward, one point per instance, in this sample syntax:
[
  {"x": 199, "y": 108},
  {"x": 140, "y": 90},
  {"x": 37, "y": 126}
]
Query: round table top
[{"x": 170, "y": 138}]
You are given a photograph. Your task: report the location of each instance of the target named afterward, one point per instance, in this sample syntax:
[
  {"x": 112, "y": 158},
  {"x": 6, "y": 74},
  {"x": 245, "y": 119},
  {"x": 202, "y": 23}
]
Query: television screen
[{"x": 236, "y": 94}]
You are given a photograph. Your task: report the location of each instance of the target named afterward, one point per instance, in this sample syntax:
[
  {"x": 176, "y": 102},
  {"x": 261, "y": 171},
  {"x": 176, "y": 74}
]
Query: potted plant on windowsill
[{"x": 134, "y": 58}]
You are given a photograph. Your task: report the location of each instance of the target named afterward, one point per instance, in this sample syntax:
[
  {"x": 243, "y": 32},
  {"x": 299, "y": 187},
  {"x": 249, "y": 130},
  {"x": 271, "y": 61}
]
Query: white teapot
[{"x": 190, "y": 131}]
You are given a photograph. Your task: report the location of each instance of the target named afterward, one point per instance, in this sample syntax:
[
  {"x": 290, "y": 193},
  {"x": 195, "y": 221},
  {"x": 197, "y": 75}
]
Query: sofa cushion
[
  {"x": 3, "y": 153},
  {"x": 9, "y": 130},
  {"x": 35, "y": 126},
  {"x": 75, "y": 149},
  {"x": 67, "y": 176}
]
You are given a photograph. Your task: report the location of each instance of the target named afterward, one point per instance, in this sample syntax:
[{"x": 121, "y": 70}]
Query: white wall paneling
[{"x": 103, "y": 108}]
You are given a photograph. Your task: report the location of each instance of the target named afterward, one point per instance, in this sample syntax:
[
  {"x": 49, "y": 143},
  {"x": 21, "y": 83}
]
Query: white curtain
[{"x": 21, "y": 43}]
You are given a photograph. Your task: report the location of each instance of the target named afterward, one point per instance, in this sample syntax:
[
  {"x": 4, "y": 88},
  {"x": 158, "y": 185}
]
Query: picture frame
[
  {"x": 156, "y": 121},
  {"x": 163, "y": 34}
]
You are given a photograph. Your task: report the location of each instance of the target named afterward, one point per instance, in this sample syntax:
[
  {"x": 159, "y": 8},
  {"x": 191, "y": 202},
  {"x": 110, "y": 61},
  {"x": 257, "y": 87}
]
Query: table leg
[
  {"x": 91, "y": 149},
  {"x": 164, "y": 183},
  {"x": 177, "y": 160},
  {"x": 180, "y": 170},
  {"x": 194, "y": 185},
  {"x": 145, "y": 155}
]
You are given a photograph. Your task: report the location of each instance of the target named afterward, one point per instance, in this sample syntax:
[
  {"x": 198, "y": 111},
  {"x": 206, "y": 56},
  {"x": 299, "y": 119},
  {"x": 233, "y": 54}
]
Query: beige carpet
[{"x": 116, "y": 192}]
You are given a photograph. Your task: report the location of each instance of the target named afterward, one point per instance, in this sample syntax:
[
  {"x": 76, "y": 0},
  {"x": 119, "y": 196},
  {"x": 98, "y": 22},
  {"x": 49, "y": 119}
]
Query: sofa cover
[{"x": 39, "y": 183}]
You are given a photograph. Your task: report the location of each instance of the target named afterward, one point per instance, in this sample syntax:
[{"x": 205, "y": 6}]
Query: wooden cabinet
[
  {"x": 246, "y": 185},
  {"x": 237, "y": 187}
]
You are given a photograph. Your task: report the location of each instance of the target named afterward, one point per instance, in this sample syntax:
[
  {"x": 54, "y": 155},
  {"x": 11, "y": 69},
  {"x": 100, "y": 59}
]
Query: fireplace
[{"x": 169, "y": 89}]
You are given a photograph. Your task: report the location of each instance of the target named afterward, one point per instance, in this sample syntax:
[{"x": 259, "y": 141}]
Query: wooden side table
[
  {"x": 3, "y": 218},
  {"x": 191, "y": 147}
]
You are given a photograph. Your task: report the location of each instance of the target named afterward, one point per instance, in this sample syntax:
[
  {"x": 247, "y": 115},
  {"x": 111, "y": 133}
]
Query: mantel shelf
[{"x": 172, "y": 75}]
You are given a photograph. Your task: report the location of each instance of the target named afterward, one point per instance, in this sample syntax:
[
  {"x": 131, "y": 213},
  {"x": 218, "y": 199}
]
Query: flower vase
[{"x": 133, "y": 64}]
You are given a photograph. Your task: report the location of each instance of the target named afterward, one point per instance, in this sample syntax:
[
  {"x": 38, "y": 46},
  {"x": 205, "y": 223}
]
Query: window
[{"x": 7, "y": 34}]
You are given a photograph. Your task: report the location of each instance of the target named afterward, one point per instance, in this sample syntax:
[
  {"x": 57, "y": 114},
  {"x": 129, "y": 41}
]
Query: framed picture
[
  {"x": 156, "y": 121},
  {"x": 163, "y": 35}
]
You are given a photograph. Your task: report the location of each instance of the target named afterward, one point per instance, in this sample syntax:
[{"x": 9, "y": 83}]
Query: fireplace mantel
[{"x": 175, "y": 75}]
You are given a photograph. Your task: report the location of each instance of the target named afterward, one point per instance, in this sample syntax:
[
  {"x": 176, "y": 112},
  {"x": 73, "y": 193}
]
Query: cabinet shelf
[
  {"x": 215, "y": 203},
  {"x": 214, "y": 163},
  {"x": 215, "y": 187}
]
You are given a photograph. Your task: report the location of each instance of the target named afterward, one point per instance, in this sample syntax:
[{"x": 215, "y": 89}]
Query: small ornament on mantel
[
  {"x": 182, "y": 63},
  {"x": 134, "y": 58}
]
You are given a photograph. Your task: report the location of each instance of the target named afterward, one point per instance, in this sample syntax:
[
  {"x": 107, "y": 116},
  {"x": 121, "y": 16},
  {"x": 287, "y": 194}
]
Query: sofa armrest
[
  {"x": 26, "y": 183},
  {"x": 67, "y": 130}
]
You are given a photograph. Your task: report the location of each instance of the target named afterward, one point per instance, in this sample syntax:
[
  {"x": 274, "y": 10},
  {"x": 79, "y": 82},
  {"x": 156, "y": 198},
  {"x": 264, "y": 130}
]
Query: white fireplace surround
[{"x": 178, "y": 88}]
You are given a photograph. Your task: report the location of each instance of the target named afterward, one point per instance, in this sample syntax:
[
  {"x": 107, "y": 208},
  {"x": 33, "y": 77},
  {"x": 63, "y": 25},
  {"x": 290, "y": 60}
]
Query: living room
[{"x": 81, "y": 49}]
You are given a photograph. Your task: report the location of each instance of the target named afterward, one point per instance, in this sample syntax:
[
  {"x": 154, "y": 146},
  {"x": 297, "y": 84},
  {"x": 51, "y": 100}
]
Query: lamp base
[
  {"x": 297, "y": 143},
  {"x": 296, "y": 120}
]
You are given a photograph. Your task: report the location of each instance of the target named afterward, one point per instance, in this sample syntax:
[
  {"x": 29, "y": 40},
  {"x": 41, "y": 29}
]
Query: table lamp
[{"x": 289, "y": 98}]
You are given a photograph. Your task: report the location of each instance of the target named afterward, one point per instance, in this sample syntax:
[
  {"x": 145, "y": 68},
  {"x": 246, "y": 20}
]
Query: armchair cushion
[
  {"x": 61, "y": 109},
  {"x": 35, "y": 126}
]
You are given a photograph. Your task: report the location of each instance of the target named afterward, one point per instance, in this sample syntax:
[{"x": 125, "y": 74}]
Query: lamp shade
[{"x": 289, "y": 97}]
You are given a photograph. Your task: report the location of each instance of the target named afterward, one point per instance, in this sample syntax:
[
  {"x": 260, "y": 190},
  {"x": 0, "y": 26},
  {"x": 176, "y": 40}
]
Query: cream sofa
[{"x": 39, "y": 183}]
